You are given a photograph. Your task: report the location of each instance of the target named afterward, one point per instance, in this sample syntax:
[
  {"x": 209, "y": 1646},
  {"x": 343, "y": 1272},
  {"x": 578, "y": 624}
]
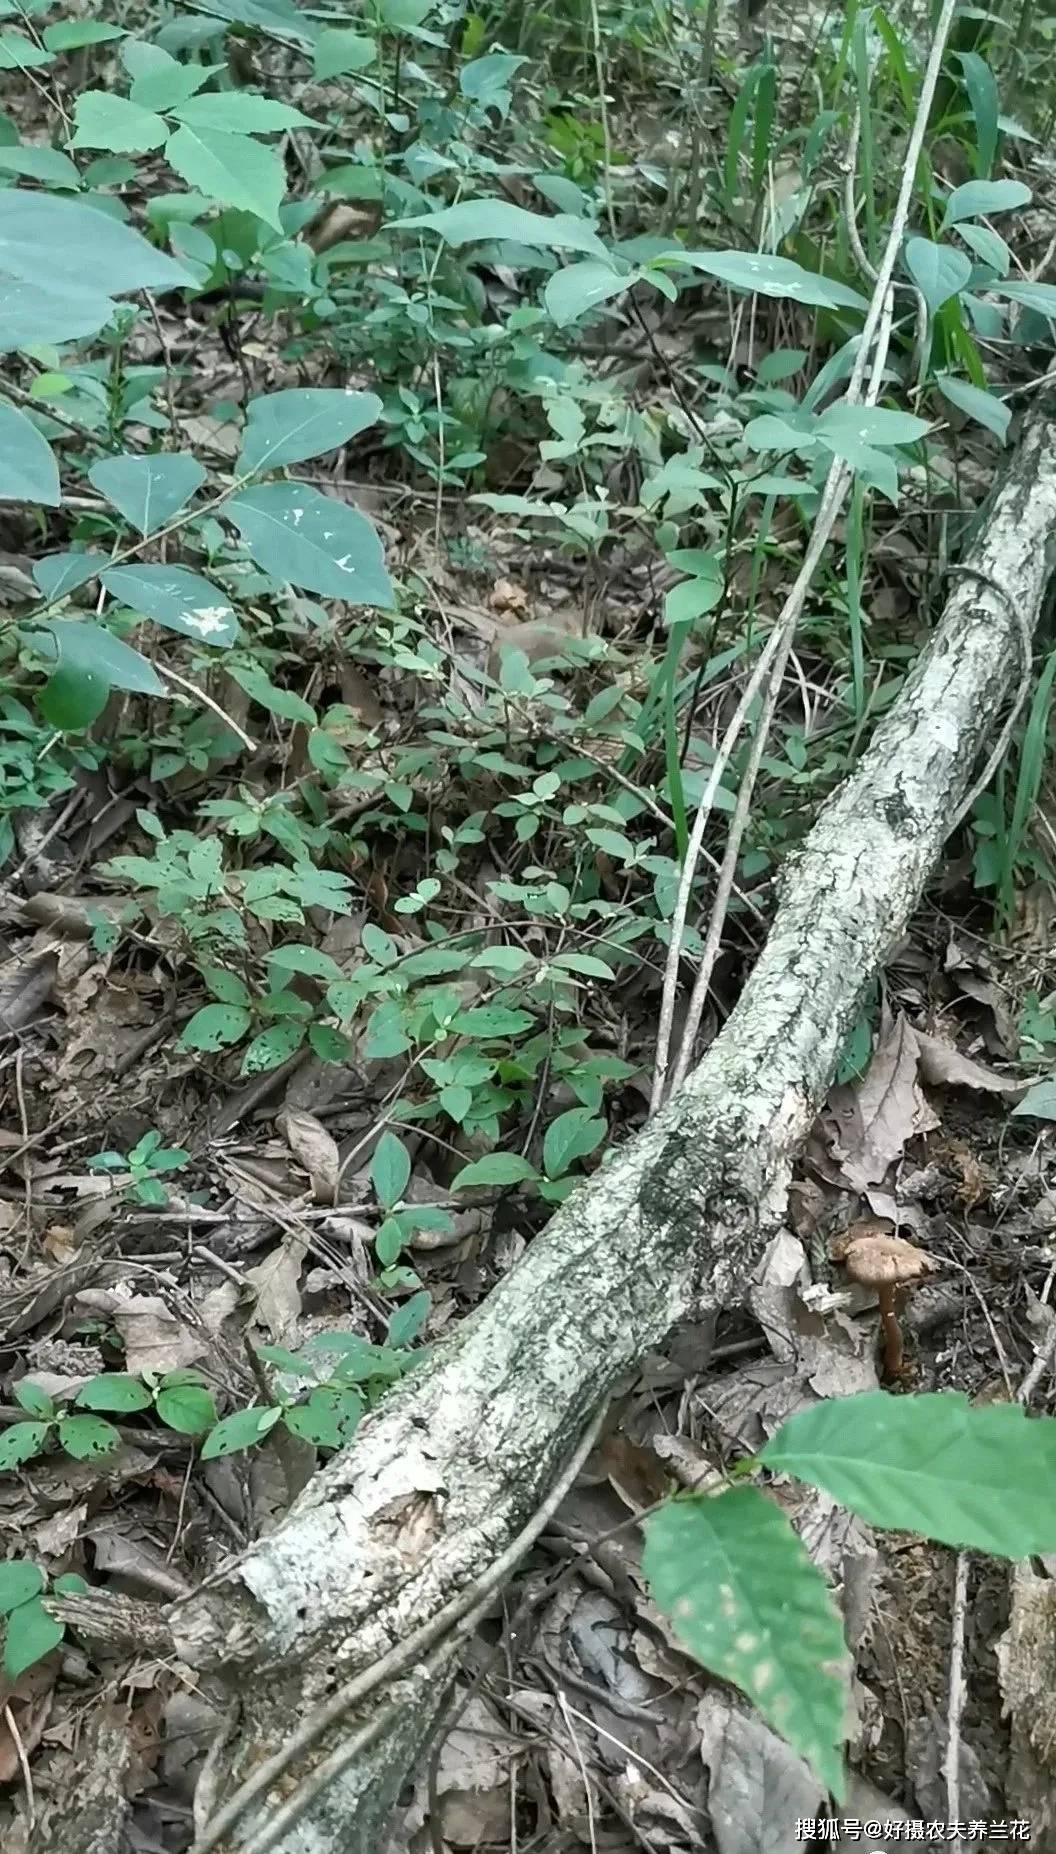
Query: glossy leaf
[
  {"x": 767, "y": 275},
  {"x": 72, "y": 699},
  {"x": 289, "y": 427},
  {"x": 148, "y": 490},
  {"x": 312, "y": 541}
]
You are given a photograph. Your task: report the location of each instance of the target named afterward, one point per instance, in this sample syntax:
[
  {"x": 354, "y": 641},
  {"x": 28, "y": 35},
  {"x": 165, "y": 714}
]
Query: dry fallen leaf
[
  {"x": 944, "y": 1067},
  {"x": 879, "y": 1114},
  {"x": 316, "y": 1150},
  {"x": 277, "y": 1282}
]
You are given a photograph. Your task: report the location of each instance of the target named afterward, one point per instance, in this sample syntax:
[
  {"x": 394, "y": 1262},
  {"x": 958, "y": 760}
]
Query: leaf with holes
[
  {"x": 216, "y": 1026},
  {"x": 272, "y": 1047},
  {"x": 177, "y": 598},
  {"x": 114, "y": 1391},
  {"x": 28, "y": 471},
  {"x": 313, "y": 542},
  {"x": 20, "y": 1443},
  {"x": 87, "y": 1437},
  {"x": 148, "y": 491},
  {"x": 241, "y": 1430},
  {"x": 742, "y": 1593},
  {"x": 289, "y": 427}
]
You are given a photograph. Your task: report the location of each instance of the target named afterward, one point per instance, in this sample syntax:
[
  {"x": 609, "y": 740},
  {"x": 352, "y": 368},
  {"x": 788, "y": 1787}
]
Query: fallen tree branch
[{"x": 405, "y": 1529}]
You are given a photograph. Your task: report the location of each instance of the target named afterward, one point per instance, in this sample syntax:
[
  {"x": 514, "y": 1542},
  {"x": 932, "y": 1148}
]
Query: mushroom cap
[{"x": 877, "y": 1260}]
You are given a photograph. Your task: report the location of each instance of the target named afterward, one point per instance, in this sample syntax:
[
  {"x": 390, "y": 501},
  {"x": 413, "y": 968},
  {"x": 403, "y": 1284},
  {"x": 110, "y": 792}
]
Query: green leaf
[
  {"x": 939, "y": 271},
  {"x": 385, "y": 1035},
  {"x": 766, "y": 275},
  {"x": 308, "y": 959},
  {"x": 390, "y": 1170},
  {"x": 931, "y": 1464},
  {"x": 73, "y": 34},
  {"x": 187, "y": 1408},
  {"x": 691, "y": 598},
  {"x": 491, "y": 1020},
  {"x": 869, "y": 425},
  {"x": 20, "y": 1443},
  {"x": 272, "y": 1047},
  {"x": 570, "y": 1137},
  {"x": 985, "y": 408},
  {"x": 114, "y": 1390},
  {"x": 240, "y": 113},
  {"x": 31, "y": 1398},
  {"x": 978, "y": 199},
  {"x": 31, "y": 1634},
  {"x": 177, "y": 598},
  {"x": 742, "y": 1593},
  {"x": 160, "y": 81},
  {"x": 58, "y": 574},
  {"x": 313, "y": 542},
  {"x": 73, "y": 698},
  {"x": 279, "y": 19},
  {"x": 585, "y": 963},
  {"x": 87, "y": 1437},
  {"x": 241, "y": 1430},
  {"x": 19, "y": 1583},
  {"x": 148, "y": 491},
  {"x": 495, "y": 1168},
  {"x": 87, "y": 648},
  {"x": 224, "y": 985},
  {"x": 285, "y": 703},
  {"x": 28, "y": 471},
  {"x": 579, "y": 287},
  {"x": 289, "y": 427},
  {"x": 338, "y": 51},
  {"x": 1039, "y": 1102},
  {"x": 105, "y": 120},
  {"x": 215, "y": 1026},
  {"x": 407, "y": 1321},
  {"x": 47, "y": 165},
  {"x": 328, "y": 1044},
  {"x": 230, "y": 169},
  {"x": 61, "y": 263},
  {"x": 17, "y": 53},
  {"x": 981, "y": 85},
  {"x": 330, "y": 1417},
  {"x": 477, "y": 221},
  {"x": 506, "y": 960}
]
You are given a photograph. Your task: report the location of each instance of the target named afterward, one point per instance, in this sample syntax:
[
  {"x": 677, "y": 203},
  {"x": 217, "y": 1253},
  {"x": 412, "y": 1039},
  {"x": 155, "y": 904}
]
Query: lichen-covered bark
[{"x": 443, "y": 1477}]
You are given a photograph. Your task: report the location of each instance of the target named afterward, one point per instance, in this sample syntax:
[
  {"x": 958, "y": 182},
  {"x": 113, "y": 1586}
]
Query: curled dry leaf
[
  {"x": 944, "y": 1067},
  {"x": 316, "y": 1149}
]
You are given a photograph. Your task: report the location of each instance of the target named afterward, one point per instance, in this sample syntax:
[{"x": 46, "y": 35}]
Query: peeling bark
[{"x": 447, "y": 1473}]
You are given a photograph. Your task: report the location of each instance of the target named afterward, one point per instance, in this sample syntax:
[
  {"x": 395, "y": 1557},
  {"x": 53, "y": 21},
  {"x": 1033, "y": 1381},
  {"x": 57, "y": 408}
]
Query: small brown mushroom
[{"x": 885, "y": 1262}]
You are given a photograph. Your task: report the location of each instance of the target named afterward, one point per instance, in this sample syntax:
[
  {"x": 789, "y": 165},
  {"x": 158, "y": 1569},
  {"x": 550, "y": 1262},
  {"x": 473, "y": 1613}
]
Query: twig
[
  {"x": 27, "y": 1775},
  {"x": 951, "y": 1763},
  {"x": 207, "y": 700}
]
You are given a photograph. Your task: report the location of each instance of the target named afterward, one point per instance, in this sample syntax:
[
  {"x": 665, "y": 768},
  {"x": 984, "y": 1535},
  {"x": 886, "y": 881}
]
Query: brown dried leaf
[
  {"x": 944, "y": 1067},
  {"x": 316, "y": 1149},
  {"x": 878, "y": 1115},
  {"x": 277, "y": 1282}
]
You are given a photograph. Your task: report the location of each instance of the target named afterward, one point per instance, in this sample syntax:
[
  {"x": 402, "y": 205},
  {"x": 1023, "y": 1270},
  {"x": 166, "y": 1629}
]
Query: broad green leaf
[
  {"x": 17, "y": 53},
  {"x": 47, "y": 165},
  {"x": 939, "y": 271},
  {"x": 328, "y": 1044},
  {"x": 477, "y": 221},
  {"x": 73, "y": 34},
  {"x": 982, "y": 198},
  {"x": 31, "y": 1398},
  {"x": 105, "y": 120},
  {"x": 988, "y": 247},
  {"x": 87, "y": 1437},
  {"x": 289, "y": 427},
  {"x": 58, "y": 574},
  {"x": 285, "y": 703},
  {"x": 230, "y": 169},
  {"x": 31, "y": 1634},
  {"x": 578, "y": 287},
  {"x": 870, "y": 425},
  {"x": 240, "y": 112},
  {"x": 215, "y": 1026},
  {"x": 931, "y": 1464},
  {"x": 985, "y": 408},
  {"x": 570, "y": 1137},
  {"x": 742, "y": 1593},
  {"x": 495, "y": 1168},
  {"x": 1039, "y": 1102},
  {"x": 28, "y": 471},
  {"x": 61, "y": 265},
  {"x": 271, "y": 1047},
  {"x": 587, "y": 963},
  {"x": 72, "y": 699},
  {"x": 160, "y": 81},
  {"x": 766, "y": 275},
  {"x": 177, "y": 598},
  {"x": 187, "y": 1408},
  {"x": 330, "y": 1417},
  {"x": 385, "y": 1035},
  {"x": 506, "y": 960},
  {"x": 690, "y": 599},
  {"x": 407, "y": 1321},
  {"x": 114, "y": 1390},
  {"x": 390, "y": 1170},
  {"x": 1039, "y": 296},
  {"x": 19, "y": 1582},
  {"x": 239, "y": 1431},
  {"x": 279, "y": 19},
  {"x": 312, "y": 541},
  {"x": 148, "y": 490},
  {"x": 309, "y": 959},
  {"x": 20, "y": 1443},
  {"x": 338, "y": 51},
  {"x": 87, "y": 648}
]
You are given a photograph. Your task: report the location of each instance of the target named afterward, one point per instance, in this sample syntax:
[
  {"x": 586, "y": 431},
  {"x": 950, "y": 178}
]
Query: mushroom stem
[{"x": 891, "y": 1329}]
